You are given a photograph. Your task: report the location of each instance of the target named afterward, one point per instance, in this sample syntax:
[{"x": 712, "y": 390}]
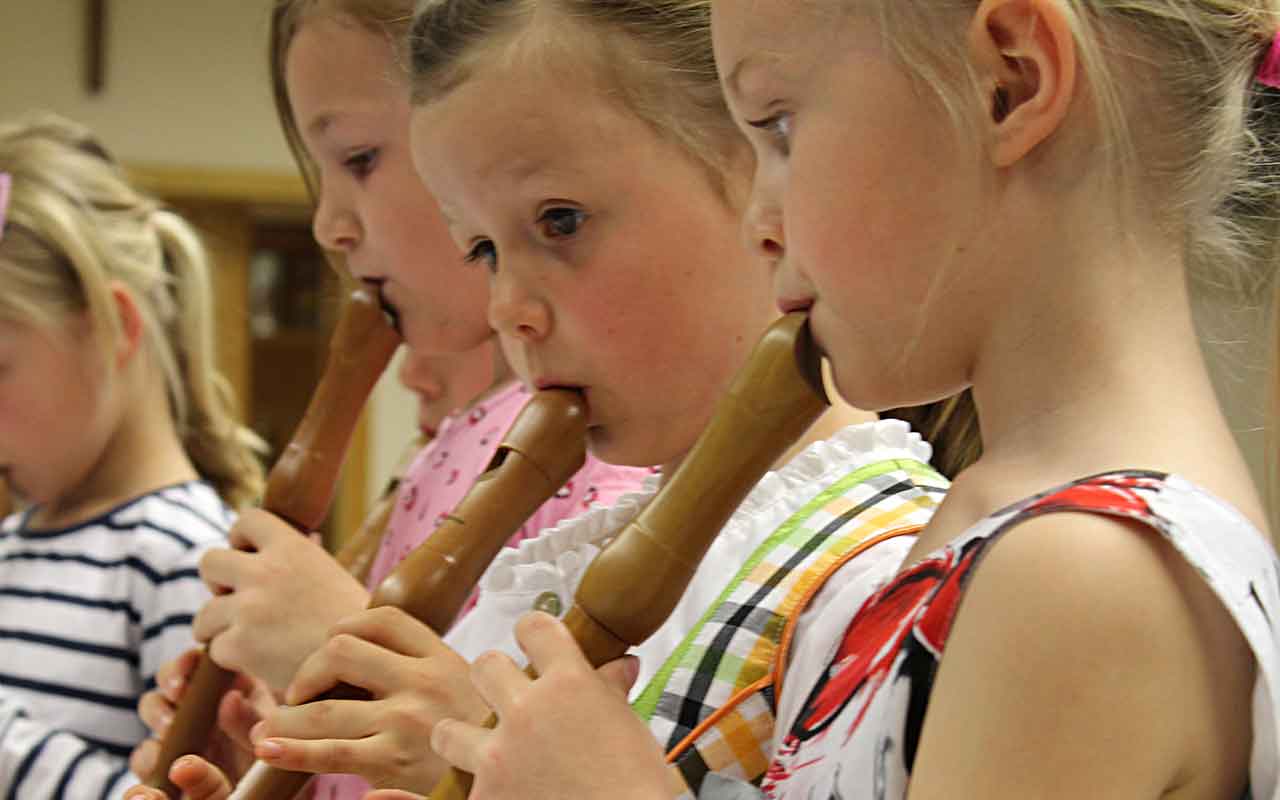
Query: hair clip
[
  {"x": 6, "y": 182},
  {"x": 1269, "y": 69}
]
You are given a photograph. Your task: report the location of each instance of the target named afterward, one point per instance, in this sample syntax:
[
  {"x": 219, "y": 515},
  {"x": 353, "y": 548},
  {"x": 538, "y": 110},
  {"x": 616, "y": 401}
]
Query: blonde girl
[
  {"x": 1023, "y": 184},
  {"x": 116, "y": 429},
  {"x": 340, "y": 88},
  {"x": 603, "y": 204}
]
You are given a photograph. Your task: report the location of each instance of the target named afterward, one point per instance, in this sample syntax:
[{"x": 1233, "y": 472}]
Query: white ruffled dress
[{"x": 544, "y": 572}]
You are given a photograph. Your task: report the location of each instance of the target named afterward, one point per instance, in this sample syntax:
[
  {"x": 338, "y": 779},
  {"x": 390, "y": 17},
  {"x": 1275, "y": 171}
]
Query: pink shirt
[{"x": 438, "y": 479}]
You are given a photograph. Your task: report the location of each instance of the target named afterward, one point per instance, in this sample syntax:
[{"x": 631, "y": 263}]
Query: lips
[
  {"x": 389, "y": 310},
  {"x": 788, "y": 304}
]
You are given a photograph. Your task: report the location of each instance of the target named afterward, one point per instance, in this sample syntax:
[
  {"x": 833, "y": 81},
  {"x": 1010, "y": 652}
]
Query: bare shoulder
[{"x": 1088, "y": 659}]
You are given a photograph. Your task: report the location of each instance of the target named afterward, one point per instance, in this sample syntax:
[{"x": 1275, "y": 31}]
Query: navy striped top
[{"x": 87, "y": 616}]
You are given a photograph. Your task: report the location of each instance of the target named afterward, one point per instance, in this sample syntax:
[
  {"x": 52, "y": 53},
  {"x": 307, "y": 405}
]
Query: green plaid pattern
[{"x": 735, "y": 643}]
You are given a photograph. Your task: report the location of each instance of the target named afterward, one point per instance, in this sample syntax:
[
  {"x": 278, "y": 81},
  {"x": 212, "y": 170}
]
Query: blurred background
[{"x": 178, "y": 90}]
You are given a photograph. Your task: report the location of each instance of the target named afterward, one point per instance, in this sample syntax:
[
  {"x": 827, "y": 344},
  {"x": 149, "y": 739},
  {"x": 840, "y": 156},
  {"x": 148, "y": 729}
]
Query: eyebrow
[
  {"x": 735, "y": 74},
  {"x": 320, "y": 124}
]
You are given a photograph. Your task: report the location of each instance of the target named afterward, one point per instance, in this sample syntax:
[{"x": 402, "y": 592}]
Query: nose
[
  {"x": 762, "y": 227},
  {"x": 516, "y": 311},
  {"x": 335, "y": 225}
]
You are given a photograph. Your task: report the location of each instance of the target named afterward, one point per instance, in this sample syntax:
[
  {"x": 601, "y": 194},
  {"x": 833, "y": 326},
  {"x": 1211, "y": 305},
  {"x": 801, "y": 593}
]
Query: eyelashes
[
  {"x": 483, "y": 251},
  {"x": 554, "y": 224},
  {"x": 561, "y": 221},
  {"x": 362, "y": 162},
  {"x": 778, "y": 129}
]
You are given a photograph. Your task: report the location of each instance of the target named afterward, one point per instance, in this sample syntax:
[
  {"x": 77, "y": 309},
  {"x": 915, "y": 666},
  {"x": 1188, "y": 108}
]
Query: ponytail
[{"x": 221, "y": 449}]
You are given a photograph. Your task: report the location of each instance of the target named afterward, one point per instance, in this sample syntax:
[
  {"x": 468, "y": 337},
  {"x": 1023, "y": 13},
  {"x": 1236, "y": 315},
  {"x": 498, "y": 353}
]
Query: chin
[{"x": 606, "y": 446}]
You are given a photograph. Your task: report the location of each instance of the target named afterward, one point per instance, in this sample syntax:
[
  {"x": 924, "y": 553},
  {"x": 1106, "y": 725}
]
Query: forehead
[
  {"x": 511, "y": 124},
  {"x": 779, "y": 33},
  {"x": 334, "y": 67}
]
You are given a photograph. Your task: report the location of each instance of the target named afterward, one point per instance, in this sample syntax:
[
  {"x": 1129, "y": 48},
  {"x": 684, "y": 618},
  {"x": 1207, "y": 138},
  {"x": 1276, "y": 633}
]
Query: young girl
[
  {"x": 343, "y": 104},
  {"x": 1020, "y": 184},
  {"x": 560, "y": 201},
  {"x": 116, "y": 431}
]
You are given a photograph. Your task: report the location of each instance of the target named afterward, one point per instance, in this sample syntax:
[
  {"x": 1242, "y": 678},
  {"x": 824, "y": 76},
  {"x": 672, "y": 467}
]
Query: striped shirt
[{"x": 87, "y": 616}]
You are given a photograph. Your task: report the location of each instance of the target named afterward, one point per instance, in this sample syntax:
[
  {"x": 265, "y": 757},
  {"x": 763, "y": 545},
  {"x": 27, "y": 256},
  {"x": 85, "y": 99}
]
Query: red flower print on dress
[
  {"x": 919, "y": 604},
  {"x": 410, "y": 498},
  {"x": 1117, "y": 493},
  {"x": 565, "y": 491},
  {"x": 590, "y": 496},
  {"x": 454, "y": 474},
  {"x": 477, "y": 414},
  {"x": 438, "y": 459}
]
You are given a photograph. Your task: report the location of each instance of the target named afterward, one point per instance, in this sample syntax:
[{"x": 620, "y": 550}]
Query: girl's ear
[
  {"x": 1025, "y": 55},
  {"x": 131, "y": 323}
]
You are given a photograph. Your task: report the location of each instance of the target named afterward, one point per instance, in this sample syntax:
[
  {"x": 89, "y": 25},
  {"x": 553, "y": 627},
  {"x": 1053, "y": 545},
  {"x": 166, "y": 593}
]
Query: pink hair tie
[
  {"x": 6, "y": 181},
  {"x": 1269, "y": 69}
]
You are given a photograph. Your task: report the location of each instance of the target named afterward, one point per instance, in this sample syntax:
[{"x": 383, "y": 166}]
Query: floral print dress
[{"x": 855, "y": 734}]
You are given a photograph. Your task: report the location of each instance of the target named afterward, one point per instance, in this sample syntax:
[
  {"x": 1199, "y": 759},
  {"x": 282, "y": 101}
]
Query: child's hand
[
  {"x": 275, "y": 597},
  {"x": 229, "y": 747},
  {"x": 415, "y": 680},
  {"x": 570, "y": 733},
  {"x": 197, "y": 778}
]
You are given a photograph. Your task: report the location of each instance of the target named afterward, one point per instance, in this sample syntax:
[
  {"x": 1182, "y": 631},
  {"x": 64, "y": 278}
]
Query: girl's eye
[
  {"x": 361, "y": 162},
  {"x": 484, "y": 252},
  {"x": 778, "y": 129},
  {"x": 557, "y": 223}
]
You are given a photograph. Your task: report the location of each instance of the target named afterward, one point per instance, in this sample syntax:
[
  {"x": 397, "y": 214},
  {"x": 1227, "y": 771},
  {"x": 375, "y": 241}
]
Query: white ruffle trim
[{"x": 555, "y": 560}]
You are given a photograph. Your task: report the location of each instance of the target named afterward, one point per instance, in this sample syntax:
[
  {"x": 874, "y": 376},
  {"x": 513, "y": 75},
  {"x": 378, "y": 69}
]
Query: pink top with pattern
[{"x": 438, "y": 479}]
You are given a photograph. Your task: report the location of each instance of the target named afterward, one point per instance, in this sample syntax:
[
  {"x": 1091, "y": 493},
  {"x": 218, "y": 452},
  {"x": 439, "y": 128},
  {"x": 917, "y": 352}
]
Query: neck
[
  {"x": 142, "y": 454},
  {"x": 1094, "y": 365}
]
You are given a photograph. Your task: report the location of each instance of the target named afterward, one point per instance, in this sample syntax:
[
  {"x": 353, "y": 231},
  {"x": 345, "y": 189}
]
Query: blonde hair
[
  {"x": 1273, "y": 435},
  {"x": 653, "y": 56},
  {"x": 656, "y": 57},
  {"x": 74, "y": 228},
  {"x": 389, "y": 19},
  {"x": 1187, "y": 131}
]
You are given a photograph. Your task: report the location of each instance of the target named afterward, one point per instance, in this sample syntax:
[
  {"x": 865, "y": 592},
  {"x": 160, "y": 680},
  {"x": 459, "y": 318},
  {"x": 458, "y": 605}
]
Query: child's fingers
[
  {"x": 199, "y": 780},
  {"x": 172, "y": 677},
  {"x": 143, "y": 758},
  {"x": 156, "y": 712},
  {"x": 236, "y": 717},
  {"x": 342, "y": 659},
  {"x": 144, "y": 793},
  {"x": 256, "y": 529},
  {"x": 460, "y": 743},
  {"x": 320, "y": 756},
  {"x": 324, "y": 719},
  {"x": 621, "y": 674},
  {"x": 548, "y": 643},
  {"x": 393, "y": 794},
  {"x": 498, "y": 680},
  {"x": 392, "y": 628},
  {"x": 214, "y": 617},
  {"x": 223, "y": 569}
]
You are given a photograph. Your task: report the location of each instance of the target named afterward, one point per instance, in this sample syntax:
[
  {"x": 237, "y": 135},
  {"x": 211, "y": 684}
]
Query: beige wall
[
  {"x": 185, "y": 87},
  {"x": 184, "y": 78}
]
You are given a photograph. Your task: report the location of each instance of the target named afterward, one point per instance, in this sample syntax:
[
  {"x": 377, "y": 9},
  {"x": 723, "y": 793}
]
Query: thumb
[
  {"x": 621, "y": 674},
  {"x": 393, "y": 794}
]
